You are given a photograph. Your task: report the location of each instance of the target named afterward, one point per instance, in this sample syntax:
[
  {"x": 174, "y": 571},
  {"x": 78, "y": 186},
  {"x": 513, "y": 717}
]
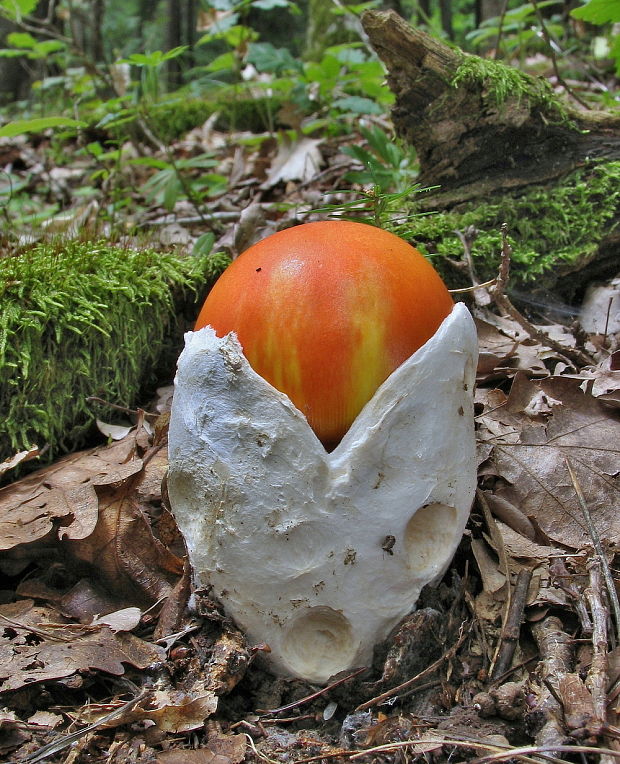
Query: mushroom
[{"x": 318, "y": 552}]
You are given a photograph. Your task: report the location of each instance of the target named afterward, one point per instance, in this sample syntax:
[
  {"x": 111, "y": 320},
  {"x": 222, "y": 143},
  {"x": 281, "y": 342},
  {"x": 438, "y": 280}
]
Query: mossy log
[
  {"x": 480, "y": 126},
  {"x": 85, "y": 318},
  {"x": 498, "y": 145}
]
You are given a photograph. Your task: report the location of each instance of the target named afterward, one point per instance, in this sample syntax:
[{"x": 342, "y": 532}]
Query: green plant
[
  {"x": 602, "y": 12},
  {"x": 379, "y": 208},
  {"x": 177, "y": 179},
  {"x": 24, "y": 44},
  {"x": 518, "y": 31},
  {"x": 389, "y": 165},
  {"x": 346, "y": 83},
  {"x": 23, "y": 126}
]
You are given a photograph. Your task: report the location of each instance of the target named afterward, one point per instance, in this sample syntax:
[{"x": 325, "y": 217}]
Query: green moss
[
  {"x": 502, "y": 83},
  {"x": 80, "y": 319},
  {"x": 174, "y": 118},
  {"x": 554, "y": 231}
]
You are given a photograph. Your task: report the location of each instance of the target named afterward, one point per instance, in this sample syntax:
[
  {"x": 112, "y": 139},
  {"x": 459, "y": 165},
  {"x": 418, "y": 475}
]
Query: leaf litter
[{"x": 106, "y": 653}]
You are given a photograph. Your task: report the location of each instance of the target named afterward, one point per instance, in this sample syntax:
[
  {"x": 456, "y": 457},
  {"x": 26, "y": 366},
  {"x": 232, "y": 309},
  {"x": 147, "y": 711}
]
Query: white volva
[{"x": 321, "y": 554}]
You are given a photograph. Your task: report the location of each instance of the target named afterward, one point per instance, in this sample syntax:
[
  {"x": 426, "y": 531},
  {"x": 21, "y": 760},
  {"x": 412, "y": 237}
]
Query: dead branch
[{"x": 512, "y": 626}]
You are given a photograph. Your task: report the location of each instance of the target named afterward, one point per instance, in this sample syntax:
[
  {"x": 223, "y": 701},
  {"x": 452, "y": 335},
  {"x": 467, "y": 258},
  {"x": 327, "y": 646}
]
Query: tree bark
[{"x": 473, "y": 139}]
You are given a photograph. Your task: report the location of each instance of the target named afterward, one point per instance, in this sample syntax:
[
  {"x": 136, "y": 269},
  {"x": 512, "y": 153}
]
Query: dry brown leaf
[
  {"x": 523, "y": 548},
  {"x": 83, "y": 601},
  {"x": 530, "y": 458},
  {"x": 221, "y": 749},
  {"x": 22, "y": 456},
  {"x": 120, "y": 620},
  {"x": 492, "y": 577},
  {"x": 506, "y": 512},
  {"x": 129, "y": 560},
  {"x": 34, "y": 648},
  {"x": 297, "y": 160},
  {"x": 171, "y": 617},
  {"x": 170, "y": 710},
  {"x": 232, "y": 747},
  {"x": 506, "y": 349},
  {"x": 61, "y": 497},
  {"x": 45, "y": 719},
  {"x": 90, "y": 508}
]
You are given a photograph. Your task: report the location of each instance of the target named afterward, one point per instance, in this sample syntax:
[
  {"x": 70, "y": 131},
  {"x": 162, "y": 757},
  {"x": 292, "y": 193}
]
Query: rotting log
[
  {"x": 497, "y": 145},
  {"x": 480, "y": 126}
]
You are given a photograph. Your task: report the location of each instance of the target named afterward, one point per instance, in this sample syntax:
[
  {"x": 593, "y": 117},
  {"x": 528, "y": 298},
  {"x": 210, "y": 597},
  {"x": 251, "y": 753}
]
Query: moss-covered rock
[{"x": 81, "y": 319}]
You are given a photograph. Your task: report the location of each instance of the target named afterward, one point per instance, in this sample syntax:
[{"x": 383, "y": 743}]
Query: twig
[
  {"x": 467, "y": 238},
  {"x": 573, "y": 355},
  {"x": 484, "y": 285},
  {"x": 18, "y": 626},
  {"x": 428, "y": 670},
  {"x": 500, "y": 29},
  {"x": 116, "y": 407},
  {"x": 313, "y": 696},
  {"x": 533, "y": 749},
  {"x": 501, "y": 752},
  {"x": 459, "y": 741},
  {"x": 562, "y": 579},
  {"x": 597, "y": 679},
  {"x": 556, "y": 659},
  {"x": 498, "y": 542},
  {"x": 598, "y": 548},
  {"x": 512, "y": 625}
]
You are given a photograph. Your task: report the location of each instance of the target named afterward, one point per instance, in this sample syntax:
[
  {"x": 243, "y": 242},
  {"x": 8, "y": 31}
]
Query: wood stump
[{"x": 480, "y": 126}]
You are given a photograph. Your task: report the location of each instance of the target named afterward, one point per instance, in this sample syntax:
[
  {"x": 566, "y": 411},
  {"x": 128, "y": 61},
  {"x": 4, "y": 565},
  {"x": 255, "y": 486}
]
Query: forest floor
[{"x": 507, "y": 658}]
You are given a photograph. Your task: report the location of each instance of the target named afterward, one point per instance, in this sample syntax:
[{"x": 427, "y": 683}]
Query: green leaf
[
  {"x": 153, "y": 59},
  {"x": 267, "y": 5},
  {"x": 37, "y": 125},
  {"x": 15, "y": 9},
  {"x": 357, "y": 104},
  {"x": 10, "y": 53},
  {"x": 598, "y": 11},
  {"x": 21, "y": 40},
  {"x": 172, "y": 191},
  {"x": 158, "y": 164},
  {"x": 203, "y": 244},
  {"x": 223, "y": 62},
  {"x": 267, "y": 58}
]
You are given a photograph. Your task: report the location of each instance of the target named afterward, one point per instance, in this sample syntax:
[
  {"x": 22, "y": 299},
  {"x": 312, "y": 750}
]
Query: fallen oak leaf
[
  {"x": 82, "y": 601},
  {"x": 172, "y": 711},
  {"x": 61, "y": 498},
  {"x": 533, "y": 466},
  {"x": 195, "y": 756},
  {"x": 89, "y": 508},
  {"x": 129, "y": 559},
  {"x": 103, "y": 650}
]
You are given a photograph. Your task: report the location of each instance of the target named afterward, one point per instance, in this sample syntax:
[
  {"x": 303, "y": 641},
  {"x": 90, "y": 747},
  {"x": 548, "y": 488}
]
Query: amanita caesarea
[{"x": 320, "y": 552}]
